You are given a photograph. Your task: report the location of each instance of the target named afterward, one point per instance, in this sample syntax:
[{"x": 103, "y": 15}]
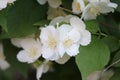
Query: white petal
[
  {"x": 77, "y": 23},
  {"x": 61, "y": 49},
  {"x": 91, "y": 1},
  {"x": 39, "y": 72},
  {"x": 22, "y": 56},
  {"x": 63, "y": 60},
  {"x": 3, "y": 4},
  {"x": 47, "y": 52},
  {"x": 86, "y": 15},
  {"x": 54, "y": 3},
  {"x": 105, "y": 8},
  {"x": 113, "y": 5},
  {"x": 63, "y": 30},
  {"x": 41, "y": 1},
  {"x": 54, "y": 57},
  {"x": 73, "y": 50},
  {"x": 4, "y": 64},
  {"x": 74, "y": 35},
  {"x": 85, "y": 38},
  {"x": 78, "y": 6},
  {"x": 56, "y": 20},
  {"x": 16, "y": 42}
]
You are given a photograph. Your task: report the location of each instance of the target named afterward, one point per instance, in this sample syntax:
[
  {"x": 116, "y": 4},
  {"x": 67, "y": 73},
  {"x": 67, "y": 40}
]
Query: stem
[
  {"x": 111, "y": 65},
  {"x": 68, "y": 11}
]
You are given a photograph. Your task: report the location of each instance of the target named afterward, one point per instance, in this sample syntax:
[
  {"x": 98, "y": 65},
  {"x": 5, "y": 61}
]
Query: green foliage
[
  {"x": 3, "y": 22},
  {"x": 109, "y": 25},
  {"x": 20, "y": 18},
  {"x": 92, "y": 57},
  {"x": 112, "y": 42},
  {"x": 92, "y": 26}
]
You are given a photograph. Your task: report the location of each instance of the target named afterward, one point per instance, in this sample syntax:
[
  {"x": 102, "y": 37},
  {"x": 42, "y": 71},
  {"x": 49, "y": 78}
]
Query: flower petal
[
  {"x": 22, "y": 56},
  {"x": 73, "y": 50},
  {"x": 77, "y": 23},
  {"x": 47, "y": 52},
  {"x": 39, "y": 72},
  {"x": 54, "y": 3},
  {"x": 85, "y": 38}
]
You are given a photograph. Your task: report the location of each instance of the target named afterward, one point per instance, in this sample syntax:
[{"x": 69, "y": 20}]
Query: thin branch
[
  {"x": 69, "y": 11},
  {"x": 111, "y": 65}
]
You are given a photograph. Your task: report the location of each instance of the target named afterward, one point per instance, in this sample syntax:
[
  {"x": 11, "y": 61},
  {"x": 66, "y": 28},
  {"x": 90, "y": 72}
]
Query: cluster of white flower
[
  {"x": 64, "y": 35},
  {"x": 55, "y": 43},
  {"x": 91, "y": 8},
  {"x": 3, "y": 3}
]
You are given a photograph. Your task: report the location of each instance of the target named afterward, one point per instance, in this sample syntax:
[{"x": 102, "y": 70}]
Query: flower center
[
  {"x": 32, "y": 52},
  {"x": 77, "y": 5},
  {"x": 67, "y": 42},
  {"x": 95, "y": 10},
  {"x": 51, "y": 42}
]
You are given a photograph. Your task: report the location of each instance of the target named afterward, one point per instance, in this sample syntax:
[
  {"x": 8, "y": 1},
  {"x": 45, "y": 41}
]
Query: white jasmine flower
[
  {"x": 3, "y": 63},
  {"x": 31, "y": 50},
  {"x": 3, "y": 3},
  {"x": 55, "y": 12},
  {"x": 79, "y": 25},
  {"x": 78, "y": 6},
  {"x": 52, "y": 3},
  {"x": 95, "y": 7},
  {"x": 49, "y": 37},
  {"x": 43, "y": 68},
  {"x": 69, "y": 38}
]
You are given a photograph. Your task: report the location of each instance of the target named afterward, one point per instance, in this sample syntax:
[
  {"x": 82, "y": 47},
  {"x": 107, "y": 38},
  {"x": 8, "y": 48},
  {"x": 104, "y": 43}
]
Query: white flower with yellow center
[
  {"x": 79, "y": 25},
  {"x": 52, "y": 3},
  {"x": 78, "y": 6},
  {"x": 3, "y": 63},
  {"x": 49, "y": 37},
  {"x": 31, "y": 50},
  {"x": 69, "y": 38},
  {"x": 95, "y": 7}
]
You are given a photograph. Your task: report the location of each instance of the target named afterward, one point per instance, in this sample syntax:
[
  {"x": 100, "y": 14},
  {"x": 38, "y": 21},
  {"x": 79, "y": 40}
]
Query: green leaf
[
  {"x": 92, "y": 57},
  {"x": 21, "y": 16},
  {"x": 42, "y": 23},
  {"x": 92, "y": 26},
  {"x": 117, "y": 2},
  {"x": 112, "y": 42},
  {"x": 3, "y": 22}
]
